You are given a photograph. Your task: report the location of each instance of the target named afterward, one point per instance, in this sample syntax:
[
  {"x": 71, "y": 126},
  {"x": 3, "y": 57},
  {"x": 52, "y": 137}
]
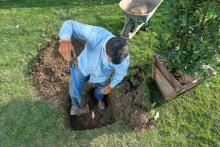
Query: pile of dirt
[
  {"x": 138, "y": 10},
  {"x": 51, "y": 80},
  {"x": 128, "y": 102}
]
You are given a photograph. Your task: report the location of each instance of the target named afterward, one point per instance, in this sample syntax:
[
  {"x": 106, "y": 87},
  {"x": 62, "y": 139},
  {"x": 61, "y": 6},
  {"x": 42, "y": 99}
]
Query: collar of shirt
[
  {"x": 107, "y": 62},
  {"x": 104, "y": 54}
]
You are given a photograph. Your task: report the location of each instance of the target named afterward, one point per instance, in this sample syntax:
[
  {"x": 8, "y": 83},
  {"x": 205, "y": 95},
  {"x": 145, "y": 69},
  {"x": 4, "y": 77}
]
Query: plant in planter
[{"x": 189, "y": 48}]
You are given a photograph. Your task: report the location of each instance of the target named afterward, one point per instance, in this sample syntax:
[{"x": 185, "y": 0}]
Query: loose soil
[
  {"x": 126, "y": 102},
  {"x": 184, "y": 80},
  {"x": 138, "y": 10}
]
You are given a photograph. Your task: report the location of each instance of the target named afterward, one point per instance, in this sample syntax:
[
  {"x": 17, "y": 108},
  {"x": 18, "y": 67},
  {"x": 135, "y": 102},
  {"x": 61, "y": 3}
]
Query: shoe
[
  {"x": 101, "y": 104},
  {"x": 74, "y": 110},
  {"x": 83, "y": 109}
]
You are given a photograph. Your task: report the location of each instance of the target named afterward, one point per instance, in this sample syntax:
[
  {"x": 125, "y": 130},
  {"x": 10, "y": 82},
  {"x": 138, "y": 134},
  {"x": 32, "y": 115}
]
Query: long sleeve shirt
[{"x": 93, "y": 61}]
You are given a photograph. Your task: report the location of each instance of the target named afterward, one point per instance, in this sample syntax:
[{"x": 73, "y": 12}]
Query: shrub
[{"x": 192, "y": 37}]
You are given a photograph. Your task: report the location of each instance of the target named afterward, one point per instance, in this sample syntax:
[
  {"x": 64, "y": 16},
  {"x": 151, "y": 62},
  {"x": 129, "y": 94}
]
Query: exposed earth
[{"x": 51, "y": 79}]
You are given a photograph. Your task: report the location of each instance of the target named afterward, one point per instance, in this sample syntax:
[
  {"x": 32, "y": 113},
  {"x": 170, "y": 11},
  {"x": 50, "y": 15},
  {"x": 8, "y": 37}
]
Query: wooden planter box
[{"x": 166, "y": 82}]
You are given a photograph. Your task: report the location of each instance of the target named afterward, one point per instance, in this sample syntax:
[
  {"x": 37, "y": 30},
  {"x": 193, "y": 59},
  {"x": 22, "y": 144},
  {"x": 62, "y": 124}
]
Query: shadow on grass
[
  {"x": 155, "y": 94},
  {"x": 5, "y": 4},
  {"x": 114, "y": 132},
  {"x": 26, "y": 121}
]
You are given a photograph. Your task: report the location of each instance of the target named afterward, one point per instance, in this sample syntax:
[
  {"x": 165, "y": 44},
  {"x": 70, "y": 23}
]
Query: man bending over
[{"x": 103, "y": 55}]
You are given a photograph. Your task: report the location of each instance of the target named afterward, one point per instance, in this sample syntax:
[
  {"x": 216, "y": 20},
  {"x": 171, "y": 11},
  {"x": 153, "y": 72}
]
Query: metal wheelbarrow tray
[{"x": 133, "y": 22}]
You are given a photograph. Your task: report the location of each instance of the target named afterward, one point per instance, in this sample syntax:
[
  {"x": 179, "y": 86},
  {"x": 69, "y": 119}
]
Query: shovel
[{"x": 84, "y": 108}]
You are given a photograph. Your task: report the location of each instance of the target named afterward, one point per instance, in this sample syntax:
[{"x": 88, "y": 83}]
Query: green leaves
[{"x": 192, "y": 37}]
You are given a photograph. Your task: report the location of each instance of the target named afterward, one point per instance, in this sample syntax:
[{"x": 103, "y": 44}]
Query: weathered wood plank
[
  {"x": 165, "y": 87},
  {"x": 166, "y": 82},
  {"x": 176, "y": 85}
]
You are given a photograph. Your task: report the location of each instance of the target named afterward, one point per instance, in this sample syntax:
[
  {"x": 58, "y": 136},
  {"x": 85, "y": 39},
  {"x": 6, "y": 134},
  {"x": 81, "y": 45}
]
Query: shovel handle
[
  {"x": 74, "y": 81},
  {"x": 69, "y": 63},
  {"x": 73, "y": 78}
]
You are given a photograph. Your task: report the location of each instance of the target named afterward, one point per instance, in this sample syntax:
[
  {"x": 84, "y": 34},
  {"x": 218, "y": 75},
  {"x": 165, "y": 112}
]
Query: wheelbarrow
[{"x": 138, "y": 13}]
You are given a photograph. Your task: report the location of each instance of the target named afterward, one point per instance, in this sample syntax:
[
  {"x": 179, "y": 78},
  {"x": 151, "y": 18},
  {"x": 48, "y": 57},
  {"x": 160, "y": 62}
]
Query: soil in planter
[
  {"x": 184, "y": 80},
  {"x": 51, "y": 79}
]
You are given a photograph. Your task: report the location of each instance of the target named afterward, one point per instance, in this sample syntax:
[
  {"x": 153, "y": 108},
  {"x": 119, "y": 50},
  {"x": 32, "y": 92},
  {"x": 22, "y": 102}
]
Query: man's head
[{"x": 117, "y": 49}]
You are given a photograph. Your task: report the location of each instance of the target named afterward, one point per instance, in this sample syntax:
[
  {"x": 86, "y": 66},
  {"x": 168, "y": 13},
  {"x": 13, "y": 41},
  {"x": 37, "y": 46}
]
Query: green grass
[{"x": 191, "y": 119}]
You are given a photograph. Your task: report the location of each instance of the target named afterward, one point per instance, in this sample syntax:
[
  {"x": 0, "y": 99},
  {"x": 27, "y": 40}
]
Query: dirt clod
[
  {"x": 139, "y": 120},
  {"x": 51, "y": 79}
]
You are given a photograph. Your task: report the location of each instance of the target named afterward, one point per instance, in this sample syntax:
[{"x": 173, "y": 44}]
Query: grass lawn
[{"x": 192, "y": 119}]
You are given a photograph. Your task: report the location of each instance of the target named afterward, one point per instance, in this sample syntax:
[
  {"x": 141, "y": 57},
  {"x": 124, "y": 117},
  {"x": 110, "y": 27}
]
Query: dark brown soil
[
  {"x": 96, "y": 117},
  {"x": 128, "y": 103},
  {"x": 184, "y": 80},
  {"x": 51, "y": 80}
]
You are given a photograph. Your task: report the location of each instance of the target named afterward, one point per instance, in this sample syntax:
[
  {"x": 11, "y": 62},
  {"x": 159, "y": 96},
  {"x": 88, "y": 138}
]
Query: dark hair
[{"x": 117, "y": 49}]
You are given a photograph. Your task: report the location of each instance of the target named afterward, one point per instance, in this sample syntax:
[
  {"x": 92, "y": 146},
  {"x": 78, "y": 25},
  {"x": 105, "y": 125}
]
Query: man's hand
[
  {"x": 107, "y": 89},
  {"x": 65, "y": 49}
]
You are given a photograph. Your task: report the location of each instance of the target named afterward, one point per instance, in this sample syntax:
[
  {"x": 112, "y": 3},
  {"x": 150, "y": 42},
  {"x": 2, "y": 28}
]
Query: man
[{"x": 102, "y": 55}]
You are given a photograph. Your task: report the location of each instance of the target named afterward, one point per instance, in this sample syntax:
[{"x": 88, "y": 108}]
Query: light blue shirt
[{"x": 92, "y": 60}]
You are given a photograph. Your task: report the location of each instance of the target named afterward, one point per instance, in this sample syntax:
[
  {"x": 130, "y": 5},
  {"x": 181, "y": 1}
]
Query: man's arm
[
  {"x": 72, "y": 29},
  {"x": 120, "y": 73}
]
